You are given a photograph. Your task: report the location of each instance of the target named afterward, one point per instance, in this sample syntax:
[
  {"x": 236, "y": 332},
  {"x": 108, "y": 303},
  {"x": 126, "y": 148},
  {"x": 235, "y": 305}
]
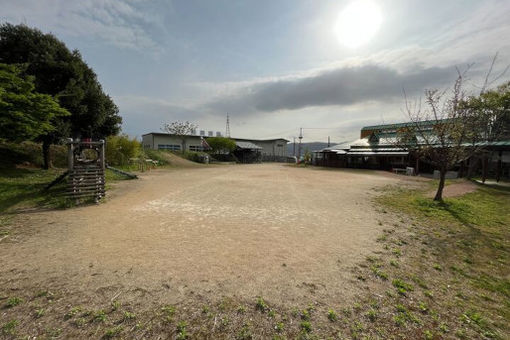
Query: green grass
[
  {"x": 464, "y": 259},
  {"x": 10, "y": 327},
  {"x": 332, "y": 315},
  {"x": 261, "y": 305},
  {"x": 13, "y": 301},
  {"x": 23, "y": 188},
  {"x": 306, "y": 326}
]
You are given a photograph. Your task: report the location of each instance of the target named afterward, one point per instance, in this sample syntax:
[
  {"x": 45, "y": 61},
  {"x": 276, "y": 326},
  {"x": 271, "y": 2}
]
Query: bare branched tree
[
  {"x": 181, "y": 130},
  {"x": 441, "y": 132},
  {"x": 454, "y": 127}
]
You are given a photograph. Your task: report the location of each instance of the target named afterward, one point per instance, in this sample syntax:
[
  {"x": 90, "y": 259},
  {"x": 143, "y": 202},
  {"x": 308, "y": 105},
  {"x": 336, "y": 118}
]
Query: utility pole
[
  {"x": 294, "y": 150},
  {"x": 328, "y": 142},
  {"x": 300, "y": 138}
]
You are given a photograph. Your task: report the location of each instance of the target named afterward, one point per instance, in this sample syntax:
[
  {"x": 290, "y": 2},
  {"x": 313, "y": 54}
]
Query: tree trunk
[
  {"x": 473, "y": 166},
  {"x": 183, "y": 145},
  {"x": 46, "y": 155},
  {"x": 484, "y": 168},
  {"x": 500, "y": 164},
  {"x": 462, "y": 169},
  {"x": 442, "y": 177}
]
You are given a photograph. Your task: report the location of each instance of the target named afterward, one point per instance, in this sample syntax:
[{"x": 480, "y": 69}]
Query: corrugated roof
[
  {"x": 399, "y": 125},
  {"x": 386, "y": 153},
  {"x": 341, "y": 146},
  {"x": 240, "y": 139},
  {"x": 247, "y": 145}
]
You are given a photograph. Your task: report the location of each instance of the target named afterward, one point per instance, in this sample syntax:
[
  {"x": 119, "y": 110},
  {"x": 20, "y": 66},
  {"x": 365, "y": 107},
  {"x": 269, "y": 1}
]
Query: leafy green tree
[
  {"x": 221, "y": 145},
  {"x": 63, "y": 74},
  {"x": 25, "y": 114},
  {"x": 491, "y": 120},
  {"x": 492, "y": 109},
  {"x": 120, "y": 148}
]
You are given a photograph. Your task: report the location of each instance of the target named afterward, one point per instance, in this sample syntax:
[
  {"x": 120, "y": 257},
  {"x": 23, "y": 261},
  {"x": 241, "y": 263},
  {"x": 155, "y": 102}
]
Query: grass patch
[
  {"x": 112, "y": 332},
  {"x": 10, "y": 327},
  {"x": 13, "y": 301},
  {"x": 261, "y": 305},
  {"x": 402, "y": 286},
  {"x": 332, "y": 315},
  {"x": 462, "y": 245},
  {"x": 306, "y": 326},
  {"x": 23, "y": 188},
  {"x": 182, "y": 333}
]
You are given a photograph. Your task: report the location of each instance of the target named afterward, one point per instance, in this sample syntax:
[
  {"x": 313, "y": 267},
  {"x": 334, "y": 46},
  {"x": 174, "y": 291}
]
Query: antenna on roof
[{"x": 227, "y": 130}]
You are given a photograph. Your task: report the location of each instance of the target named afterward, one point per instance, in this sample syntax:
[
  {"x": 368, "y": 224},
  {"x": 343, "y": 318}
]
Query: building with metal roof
[
  {"x": 274, "y": 149},
  {"x": 378, "y": 148}
]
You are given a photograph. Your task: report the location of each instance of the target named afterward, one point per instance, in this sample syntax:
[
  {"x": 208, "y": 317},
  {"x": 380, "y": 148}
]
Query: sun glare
[{"x": 358, "y": 23}]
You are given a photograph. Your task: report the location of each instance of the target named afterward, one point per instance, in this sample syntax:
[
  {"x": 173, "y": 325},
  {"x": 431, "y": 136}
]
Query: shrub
[
  {"x": 119, "y": 149},
  {"x": 221, "y": 145},
  {"x": 157, "y": 155},
  {"x": 13, "y": 154},
  {"x": 193, "y": 156}
]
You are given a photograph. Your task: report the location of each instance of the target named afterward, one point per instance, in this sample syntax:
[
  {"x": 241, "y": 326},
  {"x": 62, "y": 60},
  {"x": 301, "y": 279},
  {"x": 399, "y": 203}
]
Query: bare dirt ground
[
  {"x": 457, "y": 189},
  {"x": 288, "y": 234}
]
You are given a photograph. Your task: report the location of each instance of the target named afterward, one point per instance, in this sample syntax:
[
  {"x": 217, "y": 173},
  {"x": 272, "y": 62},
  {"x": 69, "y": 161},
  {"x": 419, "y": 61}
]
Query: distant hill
[{"x": 312, "y": 146}]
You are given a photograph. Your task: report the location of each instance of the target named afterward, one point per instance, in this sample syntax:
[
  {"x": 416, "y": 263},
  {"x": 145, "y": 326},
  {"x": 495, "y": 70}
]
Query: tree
[
  {"x": 64, "y": 75},
  {"x": 180, "y": 130},
  {"x": 491, "y": 118},
  {"x": 452, "y": 138},
  {"x": 120, "y": 149},
  {"x": 221, "y": 145},
  {"x": 25, "y": 114}
]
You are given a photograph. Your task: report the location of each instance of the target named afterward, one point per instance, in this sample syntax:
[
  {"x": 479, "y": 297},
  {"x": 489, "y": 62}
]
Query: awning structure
[
  {"x": 383, "y": 153},
  {"x": 247, "y": 146}
]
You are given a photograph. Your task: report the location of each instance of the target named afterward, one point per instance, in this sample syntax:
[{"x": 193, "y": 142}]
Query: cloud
[
  {"x": 342, "y": 86},
  {"x": 122, "y": 24},
  {"x": 145, "y": 114}
]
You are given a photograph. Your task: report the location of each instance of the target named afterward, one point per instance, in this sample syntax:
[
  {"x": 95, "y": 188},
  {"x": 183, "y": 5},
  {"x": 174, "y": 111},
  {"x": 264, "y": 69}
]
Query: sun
[{"x": 358, "y": 23}]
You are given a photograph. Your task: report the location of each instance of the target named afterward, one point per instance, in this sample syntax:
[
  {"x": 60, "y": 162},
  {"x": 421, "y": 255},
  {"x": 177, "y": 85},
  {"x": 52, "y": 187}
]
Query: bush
[
  {"x": 13, "y": 154},
  {"x": 197, "y": 157},
  {"x": 157, "y": 155},
  {"x": 119, "y": 149},
  {"x": 221, "y": 145}
]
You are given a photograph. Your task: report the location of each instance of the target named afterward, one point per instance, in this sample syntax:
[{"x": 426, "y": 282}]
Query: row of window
[
  {"x": 176, "y": 147},
  {"x": 171, "y": 147}
]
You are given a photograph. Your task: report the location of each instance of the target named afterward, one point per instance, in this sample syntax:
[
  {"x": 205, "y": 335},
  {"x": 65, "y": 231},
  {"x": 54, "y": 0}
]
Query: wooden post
[
  {"x": 101, "y": 155},
  {"x": 70, "y": 154}
]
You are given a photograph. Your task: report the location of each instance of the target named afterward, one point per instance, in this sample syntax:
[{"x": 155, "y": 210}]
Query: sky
[{"x": 329, "y": 67}]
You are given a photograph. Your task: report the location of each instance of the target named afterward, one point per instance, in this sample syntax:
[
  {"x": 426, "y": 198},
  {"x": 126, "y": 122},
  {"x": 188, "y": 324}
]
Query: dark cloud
[{"x": 343, "y": 86}]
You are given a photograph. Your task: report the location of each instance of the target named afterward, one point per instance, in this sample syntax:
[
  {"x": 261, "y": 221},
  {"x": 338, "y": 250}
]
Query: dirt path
[{"x": 246, "y": 230}]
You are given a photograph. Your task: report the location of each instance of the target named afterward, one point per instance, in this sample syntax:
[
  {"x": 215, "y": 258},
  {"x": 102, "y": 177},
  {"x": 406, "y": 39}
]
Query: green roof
[{"x": 398, "y": 125}]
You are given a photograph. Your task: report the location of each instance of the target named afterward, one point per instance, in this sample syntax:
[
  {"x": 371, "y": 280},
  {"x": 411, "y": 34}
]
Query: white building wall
[
  {"x": 273, "y": 148},
  {"x": 171, "y": 143},
  {"x": 194, "y": 143}
]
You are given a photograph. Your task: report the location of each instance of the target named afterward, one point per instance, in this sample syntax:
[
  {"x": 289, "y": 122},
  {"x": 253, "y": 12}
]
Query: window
[
  {"x": 171, "y": 147},
  {"x": 196, "y": 148}
]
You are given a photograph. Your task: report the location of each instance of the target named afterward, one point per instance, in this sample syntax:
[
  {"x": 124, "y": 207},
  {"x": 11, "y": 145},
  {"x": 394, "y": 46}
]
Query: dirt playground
[{"x": 285, "y": 233}]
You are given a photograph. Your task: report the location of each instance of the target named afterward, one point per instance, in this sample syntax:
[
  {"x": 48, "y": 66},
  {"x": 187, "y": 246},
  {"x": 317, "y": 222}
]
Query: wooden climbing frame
[{"x": 86, "y": 163}]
